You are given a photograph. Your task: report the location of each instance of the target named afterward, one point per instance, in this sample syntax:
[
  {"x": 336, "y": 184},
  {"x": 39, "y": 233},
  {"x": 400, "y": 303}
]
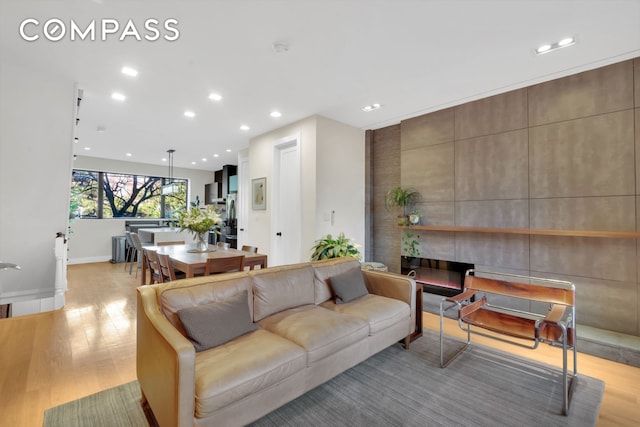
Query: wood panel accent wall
[
  {"x": 563, "y": 154},
  {"x": 385, "y": 158}
]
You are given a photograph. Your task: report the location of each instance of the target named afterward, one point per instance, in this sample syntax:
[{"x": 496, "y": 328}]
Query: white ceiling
[{"x": 412, "y": 57}]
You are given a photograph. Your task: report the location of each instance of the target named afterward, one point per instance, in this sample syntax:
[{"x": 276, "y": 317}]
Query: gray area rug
[
  {"x": 482, "y": 387},
  {"x": 118, "y": 406}
]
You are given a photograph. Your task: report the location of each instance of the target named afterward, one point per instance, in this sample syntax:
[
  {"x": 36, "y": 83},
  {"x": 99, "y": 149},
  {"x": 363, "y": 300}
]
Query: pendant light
[{"x": 170, "y": 188}]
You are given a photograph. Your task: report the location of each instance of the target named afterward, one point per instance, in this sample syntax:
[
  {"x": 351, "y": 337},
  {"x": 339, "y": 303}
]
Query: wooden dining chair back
[
  {"x": 177, "y": 242},
  {"x": 166, "y": 268},
  {"x": 153, "y": 265},
  {"x": 224, "y": 265},
  {"x": 252, "y": 249}
]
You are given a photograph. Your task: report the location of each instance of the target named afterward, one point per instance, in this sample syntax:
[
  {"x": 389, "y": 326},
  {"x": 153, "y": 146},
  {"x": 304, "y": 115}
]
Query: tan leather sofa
[{"x": 303, "y": 338}]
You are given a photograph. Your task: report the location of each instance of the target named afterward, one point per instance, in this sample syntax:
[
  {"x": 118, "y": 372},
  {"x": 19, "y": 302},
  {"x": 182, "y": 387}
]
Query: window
[{"x": 115, "y": 195}]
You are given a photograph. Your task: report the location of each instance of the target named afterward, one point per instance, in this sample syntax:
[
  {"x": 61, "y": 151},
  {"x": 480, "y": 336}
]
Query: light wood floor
[{"x": 89, "y": 345}]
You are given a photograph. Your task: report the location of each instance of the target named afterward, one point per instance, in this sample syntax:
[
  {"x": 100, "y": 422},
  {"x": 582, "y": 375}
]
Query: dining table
[{"x": 185, "y": 258}]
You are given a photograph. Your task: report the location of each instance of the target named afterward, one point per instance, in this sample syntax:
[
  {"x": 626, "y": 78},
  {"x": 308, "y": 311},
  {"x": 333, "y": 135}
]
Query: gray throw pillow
[
  {"x": 348, "y": 286},
  {"x": 216, "y": 323}
]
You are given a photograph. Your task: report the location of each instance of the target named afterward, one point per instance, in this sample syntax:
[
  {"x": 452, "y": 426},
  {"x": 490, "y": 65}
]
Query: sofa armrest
[
  {"x": 394, "y": 286},
  {"x": 165, "y": 364}
]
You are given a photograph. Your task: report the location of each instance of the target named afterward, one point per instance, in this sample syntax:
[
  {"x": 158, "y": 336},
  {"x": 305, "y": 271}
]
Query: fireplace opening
[{"x": 438, "y": 277}]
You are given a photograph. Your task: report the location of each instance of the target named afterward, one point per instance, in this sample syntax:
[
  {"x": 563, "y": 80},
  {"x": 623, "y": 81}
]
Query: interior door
[
  {"x": 287, "y": 235},
  {"x": 243, "y": 201}
]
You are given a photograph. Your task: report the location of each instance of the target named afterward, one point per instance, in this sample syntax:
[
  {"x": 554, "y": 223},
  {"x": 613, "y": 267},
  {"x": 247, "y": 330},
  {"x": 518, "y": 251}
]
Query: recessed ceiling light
[
  {"x": 204, "y": 159},
  {"x": 568, "y": 41},
  {"x": 129, "y": 71},
  {"x": 87, "y": 148},
  {"x": 189, "y": 114},
  {"x": 371, "y": 107},
  {"x": 164, "y": 159},
  {"x": 543, "y": 48},
  {"x": 216, "y": 155},
  {"x": 193, "y": 163},
  {"x": 275, "y": 114},
  {"x": 244, "y": 127},
  {"x": 228, "y": 150},
  {"x": 118, "y": 96},
  {"x": 215, "y": 97},
  {"x": 565, "y": 42},
  {"x": 128, "y": 154}
]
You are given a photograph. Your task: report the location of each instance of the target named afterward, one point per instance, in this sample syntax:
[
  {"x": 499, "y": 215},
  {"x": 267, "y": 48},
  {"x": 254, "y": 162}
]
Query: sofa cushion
[
  {"x": 348, "y": 285},
  {"x": 324, "y": 270},
  {"x": 281, "y": 288},
  {"x": 241, "y": 367},
  {"x": 378, "y": 311},
  {"x": 175, "y": 296},
  {"x": 216, "y": 323},
  {"x": 319, "y": 331}
]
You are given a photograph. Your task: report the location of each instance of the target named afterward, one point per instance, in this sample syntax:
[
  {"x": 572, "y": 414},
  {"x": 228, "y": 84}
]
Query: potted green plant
[
  {"x": 328, "y": 247},
  {"x": 401, "y": 198},
  {"x": 411, "y": 249}
]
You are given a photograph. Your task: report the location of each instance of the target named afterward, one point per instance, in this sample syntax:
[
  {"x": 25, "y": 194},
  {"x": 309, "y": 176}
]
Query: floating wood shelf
[{"x": 529, "y": 231}]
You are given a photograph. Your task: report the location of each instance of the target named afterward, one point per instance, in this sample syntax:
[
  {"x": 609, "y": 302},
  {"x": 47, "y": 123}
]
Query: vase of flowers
[{"x": 199, "y": 222}]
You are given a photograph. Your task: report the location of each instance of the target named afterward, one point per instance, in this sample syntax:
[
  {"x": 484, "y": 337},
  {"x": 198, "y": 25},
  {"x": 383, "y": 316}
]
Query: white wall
[
  {"x": 90, "y": 240},
  {"x": 332, "y": 177},
  {"x": 340, "y": 181},
  {"x": 261, "y": 165},
  {"x": 36, "y": 138}
]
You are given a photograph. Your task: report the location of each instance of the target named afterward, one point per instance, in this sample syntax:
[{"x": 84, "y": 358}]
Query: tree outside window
[{"x": 114, "y": 195}]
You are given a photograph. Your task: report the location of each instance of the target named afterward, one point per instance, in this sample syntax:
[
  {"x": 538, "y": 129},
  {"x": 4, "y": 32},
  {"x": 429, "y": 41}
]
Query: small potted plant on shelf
[
  {"x": 328, "y": 247},
  {"x": 411, "y": 249},
  {"x": 414, "y": 217},
  {"x": 401, "y": 198}
]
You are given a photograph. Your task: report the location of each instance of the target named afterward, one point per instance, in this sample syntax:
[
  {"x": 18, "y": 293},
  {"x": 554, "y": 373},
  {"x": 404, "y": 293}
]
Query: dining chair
[
  {"x": 178, "y": 242},
  {"x": 153, "y": 265},
  {"x": 166, "y": 269},
  {"x": 253, "y": 249},
  {"x": 224, "y": 265}
]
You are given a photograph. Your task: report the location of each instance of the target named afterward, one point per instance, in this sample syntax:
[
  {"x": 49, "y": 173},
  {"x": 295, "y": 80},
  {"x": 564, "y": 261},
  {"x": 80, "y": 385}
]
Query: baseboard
[{"x": 88, "y": 260}]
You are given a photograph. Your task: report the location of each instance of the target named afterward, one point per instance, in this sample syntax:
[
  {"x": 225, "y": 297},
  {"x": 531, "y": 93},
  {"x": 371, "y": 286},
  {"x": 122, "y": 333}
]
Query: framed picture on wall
[{"x": 259, "y": 194}]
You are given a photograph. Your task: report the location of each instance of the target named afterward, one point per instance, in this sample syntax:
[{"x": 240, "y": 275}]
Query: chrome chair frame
[{"x": 465, "y": 304}]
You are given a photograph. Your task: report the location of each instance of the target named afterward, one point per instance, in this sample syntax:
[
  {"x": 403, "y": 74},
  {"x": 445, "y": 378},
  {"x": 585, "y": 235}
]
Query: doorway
[{"x": 286, "y": 208}]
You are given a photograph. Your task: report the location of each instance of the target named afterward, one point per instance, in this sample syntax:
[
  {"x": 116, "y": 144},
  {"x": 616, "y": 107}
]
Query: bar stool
[
  {"x": 137, "y": 244},
  {"x": 130, "y": 250}
]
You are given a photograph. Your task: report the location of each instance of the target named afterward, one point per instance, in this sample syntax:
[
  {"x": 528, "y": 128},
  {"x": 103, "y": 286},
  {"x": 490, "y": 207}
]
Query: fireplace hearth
[{"x": 440, "y": 277}]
